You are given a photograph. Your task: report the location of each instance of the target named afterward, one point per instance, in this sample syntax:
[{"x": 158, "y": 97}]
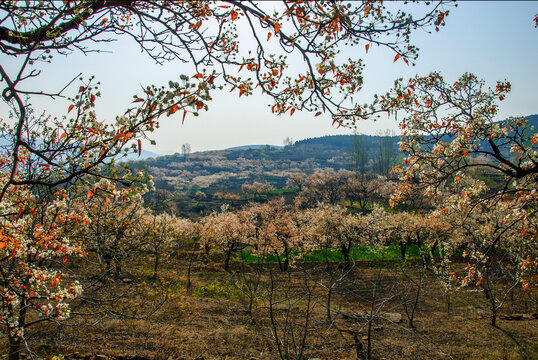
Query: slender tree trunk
[
  {"x": 369, "y": 346},
  {"x": 227, "y": 261},
  {"x": 403, "y": 248},
  {"x": 15, "y": 342},
  {"x": 286, "y": 256},
  {"x": 280, "y": 266},
  {"x": 14, "y": 348},
  {"x": 493, "y": 316},
  {"x": 346, "y": 250},
  {"x": 189, "y": 274},
  {"x": 329, "y": 296},
  {"x": 156, "y": 265}
]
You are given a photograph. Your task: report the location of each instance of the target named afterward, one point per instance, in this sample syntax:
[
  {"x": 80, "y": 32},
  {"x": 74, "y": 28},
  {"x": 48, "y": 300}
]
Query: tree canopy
[{"x": 45, "y": 154}]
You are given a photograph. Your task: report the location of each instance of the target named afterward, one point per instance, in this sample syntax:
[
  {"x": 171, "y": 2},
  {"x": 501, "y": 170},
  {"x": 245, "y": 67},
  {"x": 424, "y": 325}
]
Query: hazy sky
[{"x": 494, "y": 40}]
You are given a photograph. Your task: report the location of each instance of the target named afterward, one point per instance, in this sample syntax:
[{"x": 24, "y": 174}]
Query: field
[{"x": 368, "y": 303}]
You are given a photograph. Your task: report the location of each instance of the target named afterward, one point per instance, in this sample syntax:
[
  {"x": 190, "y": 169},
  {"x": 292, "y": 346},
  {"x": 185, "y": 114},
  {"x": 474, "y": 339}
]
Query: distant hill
[
  {"x": 249, "y": 147},
  {"x": 228, "y": 169}
]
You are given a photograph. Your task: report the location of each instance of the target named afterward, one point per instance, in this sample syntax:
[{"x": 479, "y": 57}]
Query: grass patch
[
  {"x": 358, "y": 253},
  {"x": 219, "y": 290}
]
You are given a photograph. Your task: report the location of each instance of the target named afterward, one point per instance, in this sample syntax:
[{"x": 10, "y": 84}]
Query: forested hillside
[{"x": 229, "y": 169}]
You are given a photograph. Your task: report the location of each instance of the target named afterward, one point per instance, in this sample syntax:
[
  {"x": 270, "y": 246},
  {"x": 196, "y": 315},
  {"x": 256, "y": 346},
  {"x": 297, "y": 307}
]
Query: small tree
[
  {"x": 227, "y": 231},
  {"x": 185, "y": 150},
  {"x": 450, "y": 138}
]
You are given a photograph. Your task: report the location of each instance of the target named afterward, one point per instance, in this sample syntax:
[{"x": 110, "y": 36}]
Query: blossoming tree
[{"x": 57, "y": 152}]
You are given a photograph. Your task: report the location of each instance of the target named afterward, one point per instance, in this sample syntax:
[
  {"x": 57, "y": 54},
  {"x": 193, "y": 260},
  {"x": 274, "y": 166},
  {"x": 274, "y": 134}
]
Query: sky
[{"x": 494, "y": 40}]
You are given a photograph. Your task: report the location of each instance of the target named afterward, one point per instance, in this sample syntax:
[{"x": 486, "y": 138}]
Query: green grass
[
  {"x": 280, "y": 191},
  {"x": 357, "y": 253}
]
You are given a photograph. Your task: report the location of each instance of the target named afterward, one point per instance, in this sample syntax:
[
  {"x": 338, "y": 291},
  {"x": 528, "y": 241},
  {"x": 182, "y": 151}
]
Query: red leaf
[
  {"x": 197, "y": 76},
  {"x": 396, "y": 58},
  {"x": 318, "y": 113},
  {"x": 292, "y": 111},
  {"x": 173, "y": 109},
  {"x": 184, "y": 114},
  {"x": 139, "y": 147},
  {"x": 92, "y": 98},
  {"x": 269, "y": 36},
  {"x": 138, "y": 100},
  {"x": 81, "y": 89},
  {"x": 21, "y": 211},
  {"x": 277, "y": 27},
  {"x": 275, "y": 72},
  {"x": 70, "y": 108},
  {"x": 234, "y": 15},
  {"x": 367, "y": 46}
]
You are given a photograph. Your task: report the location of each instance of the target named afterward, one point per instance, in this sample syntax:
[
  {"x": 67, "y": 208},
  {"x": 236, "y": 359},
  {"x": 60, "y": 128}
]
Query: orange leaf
[
  {"x": 70, "y": 108},
  {"x": 396, "y": 57},
  {"x": 275, "y": 72},
  {"x": 63, "y": 135},
  {"x": 173, "y": 109},
  {"x": 2, "y": 244},
  {"x": 90, "y": 194},
  {"x": 292, "y": 111},
  {"x": 234, "y": 15},
  {"x": 277, "y": 27},
  {"x": 21, "y": 211},
  {"x": 269, "y": 36},
  {"x": 107, "y": 201},
  {"x": 367, "y": 46},
  {"x": 197, "y": 76}
]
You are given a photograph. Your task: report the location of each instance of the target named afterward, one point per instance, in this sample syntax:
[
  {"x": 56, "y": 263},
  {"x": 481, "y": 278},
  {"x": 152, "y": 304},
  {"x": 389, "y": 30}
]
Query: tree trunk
[
  {"x": 280, "y": 266},
  {"x": 227, "y": 261},
  {"x": 329, "y": 296},
  {"x": 346, "y": 250},
  {"x": 14, "y": 341},
  {"x": 14, "y": 348},
  {"x": 403, "y": 248},
  {"x": 369, "y": 347},
  {"x": 156, "y": 265},
  {"x": 189, "y": 274}
]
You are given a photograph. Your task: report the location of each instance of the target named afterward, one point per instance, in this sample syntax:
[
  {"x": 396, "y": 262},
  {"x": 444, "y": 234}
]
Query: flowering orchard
[
  {"x": 452, "y": 138},
  {"x": 51, "y": 153}
]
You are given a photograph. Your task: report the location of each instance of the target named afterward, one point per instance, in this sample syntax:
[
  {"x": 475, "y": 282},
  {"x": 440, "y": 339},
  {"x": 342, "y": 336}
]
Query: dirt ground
[{"x": 289, "y": 318}]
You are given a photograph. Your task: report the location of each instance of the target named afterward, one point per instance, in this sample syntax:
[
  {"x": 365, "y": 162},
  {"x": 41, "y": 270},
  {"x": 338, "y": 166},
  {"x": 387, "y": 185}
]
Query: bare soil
[{"x": 212, "y": 321}]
